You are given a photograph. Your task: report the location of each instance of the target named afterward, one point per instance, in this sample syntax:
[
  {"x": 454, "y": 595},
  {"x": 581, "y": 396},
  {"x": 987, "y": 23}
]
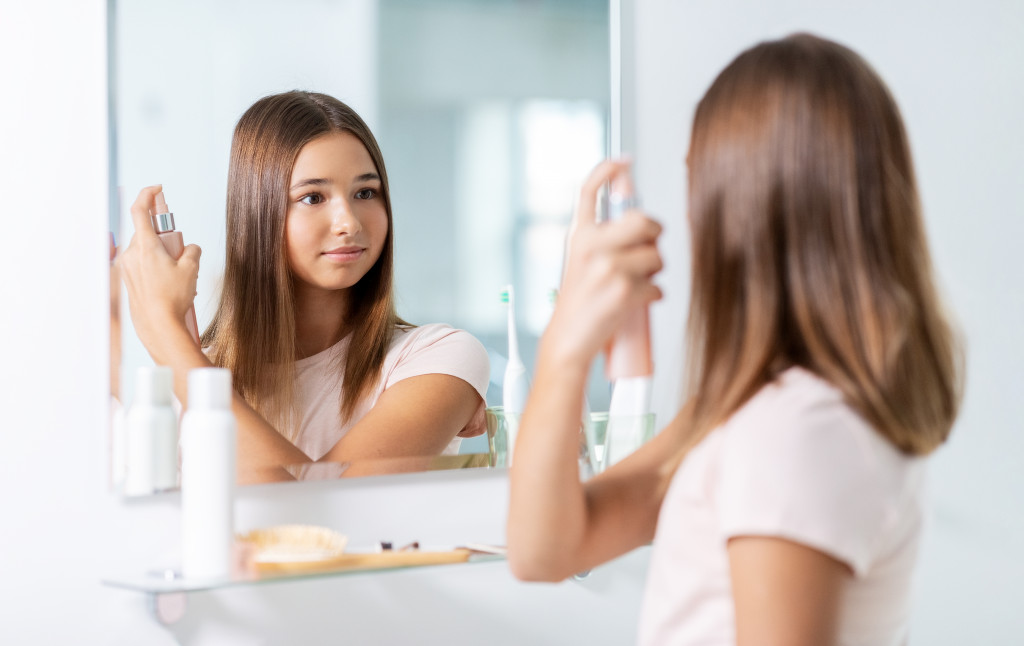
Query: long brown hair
[
  {"x": 253, "y": 331},
  {"x": 809, "y": 249}
]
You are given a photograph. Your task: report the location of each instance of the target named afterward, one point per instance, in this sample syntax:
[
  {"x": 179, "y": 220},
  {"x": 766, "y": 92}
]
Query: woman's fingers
[
  {"x": 633, "y": 229},
  {"x": 586, "y": 209},
  {"x": 640, "y": 262},
  {"x": 612, "y": 238},
  {"x": 190, "y": 257}
]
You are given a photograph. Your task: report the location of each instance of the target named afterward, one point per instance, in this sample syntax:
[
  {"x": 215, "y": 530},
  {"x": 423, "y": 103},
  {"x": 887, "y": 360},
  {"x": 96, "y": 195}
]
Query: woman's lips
[{"x": 344, "y": 254}]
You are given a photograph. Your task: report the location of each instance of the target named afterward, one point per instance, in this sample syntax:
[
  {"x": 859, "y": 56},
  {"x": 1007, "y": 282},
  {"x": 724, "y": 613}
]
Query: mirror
[{"x": 488, "y": 112}]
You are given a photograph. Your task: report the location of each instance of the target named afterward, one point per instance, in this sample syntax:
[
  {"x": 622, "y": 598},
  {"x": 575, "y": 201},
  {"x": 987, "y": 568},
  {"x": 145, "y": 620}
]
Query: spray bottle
[{"x": 629, "y": 366}]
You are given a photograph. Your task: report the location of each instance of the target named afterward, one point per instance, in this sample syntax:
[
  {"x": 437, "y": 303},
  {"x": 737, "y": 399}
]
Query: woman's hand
[
  {"x": 160, "y": 293},
  {"x": 160, "y": 288},
  {"x": 609, "y": 269}
]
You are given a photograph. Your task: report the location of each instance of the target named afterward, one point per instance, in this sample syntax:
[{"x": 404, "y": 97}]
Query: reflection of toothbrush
[
  {"x": 629, "y": 358},
  {"x": 516, "y": 385}
]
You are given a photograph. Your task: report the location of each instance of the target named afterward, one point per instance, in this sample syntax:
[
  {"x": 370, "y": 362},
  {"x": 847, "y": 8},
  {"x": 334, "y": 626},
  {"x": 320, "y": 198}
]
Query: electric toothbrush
[
  {"x": 629, "y": 366},
  {"x": 516, "y": 384}
]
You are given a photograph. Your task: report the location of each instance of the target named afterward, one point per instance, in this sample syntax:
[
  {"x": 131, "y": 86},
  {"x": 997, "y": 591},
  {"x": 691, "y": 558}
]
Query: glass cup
[
  {"x": 598, "y": 448},
  {"x": 498, "y": 435},
  {"x": 610, "y": 438}
]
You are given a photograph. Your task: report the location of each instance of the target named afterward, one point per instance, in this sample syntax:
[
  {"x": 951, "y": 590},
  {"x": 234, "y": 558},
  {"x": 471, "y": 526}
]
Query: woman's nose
[{"x": 344, "y": 220}]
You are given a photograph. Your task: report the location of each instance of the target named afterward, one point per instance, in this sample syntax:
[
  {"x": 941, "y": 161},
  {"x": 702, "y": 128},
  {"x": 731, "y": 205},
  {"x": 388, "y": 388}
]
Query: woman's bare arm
[
  {"x": 784, "y": 592},
  {"x": 556, "y": 525},
  {"x": 581, "y": 525},
  {"x": 417, "y": 416}
]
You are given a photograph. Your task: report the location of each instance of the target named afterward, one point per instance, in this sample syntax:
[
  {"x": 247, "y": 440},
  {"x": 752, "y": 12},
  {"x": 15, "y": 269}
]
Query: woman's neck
[{"x": 320, "y": 319}]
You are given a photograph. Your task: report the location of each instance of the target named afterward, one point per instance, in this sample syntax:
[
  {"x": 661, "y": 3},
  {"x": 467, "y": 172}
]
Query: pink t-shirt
[
  {"x": 428, "y": 349},
  {"x": 796, "y": 462}
]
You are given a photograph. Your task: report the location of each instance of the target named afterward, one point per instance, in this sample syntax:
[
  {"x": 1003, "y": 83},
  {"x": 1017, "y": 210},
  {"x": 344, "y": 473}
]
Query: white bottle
[
  {"x": 208, "y": 433},
  {"x": 151, "y": 434}
]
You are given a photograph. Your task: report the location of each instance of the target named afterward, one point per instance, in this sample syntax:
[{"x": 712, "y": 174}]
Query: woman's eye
[
  {"x": 366, "y": 194},
  {"x": 312, "y": 199}
]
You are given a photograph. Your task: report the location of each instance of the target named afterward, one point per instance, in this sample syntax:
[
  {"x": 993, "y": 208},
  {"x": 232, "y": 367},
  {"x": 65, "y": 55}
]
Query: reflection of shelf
[
  {"x": 326, "y": 470},
  {"x": 169, "y": 581}
]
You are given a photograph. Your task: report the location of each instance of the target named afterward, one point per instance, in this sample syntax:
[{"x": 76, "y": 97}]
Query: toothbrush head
[{"x": 507, "y": 294}]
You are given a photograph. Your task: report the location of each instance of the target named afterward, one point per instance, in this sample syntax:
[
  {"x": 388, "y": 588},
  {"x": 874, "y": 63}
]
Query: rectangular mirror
[{"x": 488, "y": 112}]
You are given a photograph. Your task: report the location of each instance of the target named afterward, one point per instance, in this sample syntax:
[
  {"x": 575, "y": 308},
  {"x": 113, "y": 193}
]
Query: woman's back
[{"x": 796, "y": 463}]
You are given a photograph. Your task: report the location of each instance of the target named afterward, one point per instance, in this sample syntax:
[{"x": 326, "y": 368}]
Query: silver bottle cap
[{"x": 163, "y": 222}]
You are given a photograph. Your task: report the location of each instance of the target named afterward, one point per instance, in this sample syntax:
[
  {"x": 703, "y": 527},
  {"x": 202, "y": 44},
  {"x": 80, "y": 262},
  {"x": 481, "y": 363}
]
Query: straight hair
[
  {"x": 253, "y": 331},
  {"x": 809, "y": 249}
]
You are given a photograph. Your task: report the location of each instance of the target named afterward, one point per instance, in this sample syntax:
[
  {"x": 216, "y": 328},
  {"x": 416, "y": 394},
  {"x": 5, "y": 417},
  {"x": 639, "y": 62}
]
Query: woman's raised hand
[
  {"x": 608, "y": 271},
  {"x": 160, "y": 288}
]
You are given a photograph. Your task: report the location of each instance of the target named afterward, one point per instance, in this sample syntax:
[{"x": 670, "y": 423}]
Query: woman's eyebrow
[
  {"x": 315, "y": 181},
  {"x": 320, "y": 181}
]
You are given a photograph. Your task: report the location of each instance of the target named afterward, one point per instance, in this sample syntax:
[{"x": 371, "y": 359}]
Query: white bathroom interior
[{"x": 484, "y": 153}]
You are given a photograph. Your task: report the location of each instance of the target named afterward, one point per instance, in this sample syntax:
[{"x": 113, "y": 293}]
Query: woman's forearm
[{"x": 547, "y": 509}]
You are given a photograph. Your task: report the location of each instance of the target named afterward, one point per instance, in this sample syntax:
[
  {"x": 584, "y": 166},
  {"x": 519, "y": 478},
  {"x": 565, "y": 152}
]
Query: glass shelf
[{"x": 170, "y": 581}]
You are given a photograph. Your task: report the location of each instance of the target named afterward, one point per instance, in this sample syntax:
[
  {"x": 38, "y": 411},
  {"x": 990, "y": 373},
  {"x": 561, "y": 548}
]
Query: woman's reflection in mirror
[{"x": 324, "y": 369}]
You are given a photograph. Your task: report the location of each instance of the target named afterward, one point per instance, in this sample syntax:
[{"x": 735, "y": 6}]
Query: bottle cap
[
  {"x": 153, "y": 385},
  {"x": 163, "y": 219},
  {"x": 209, "y": 388}
]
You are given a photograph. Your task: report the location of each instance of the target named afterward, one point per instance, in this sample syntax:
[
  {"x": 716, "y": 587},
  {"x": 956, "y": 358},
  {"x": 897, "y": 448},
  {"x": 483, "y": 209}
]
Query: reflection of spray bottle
[
  {"x": 516, "y": 385},
  {"x": 163, "y": 222},
  {"x": 629, "y": 364}
]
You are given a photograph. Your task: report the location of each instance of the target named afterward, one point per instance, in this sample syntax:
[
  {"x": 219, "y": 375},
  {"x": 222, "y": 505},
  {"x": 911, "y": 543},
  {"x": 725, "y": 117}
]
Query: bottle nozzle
[
  {"x": 161, "y": 203},
  {"x": 163, "y": 219},
  {"x": 621, "y": 185},
  {"x": 621, "y": 196}
]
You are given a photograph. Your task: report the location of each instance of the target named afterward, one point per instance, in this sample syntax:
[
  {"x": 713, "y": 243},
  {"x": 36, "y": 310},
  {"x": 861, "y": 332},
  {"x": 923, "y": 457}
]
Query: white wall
[
  {"x": 956, "y": 72},
  {"x": 59, "y": 529}
]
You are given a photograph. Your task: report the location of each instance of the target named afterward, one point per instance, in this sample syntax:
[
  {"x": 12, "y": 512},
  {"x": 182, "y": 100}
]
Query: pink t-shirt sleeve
[
  {"x": 809, "y": 470},
  {"x": 440, "y": 349}
]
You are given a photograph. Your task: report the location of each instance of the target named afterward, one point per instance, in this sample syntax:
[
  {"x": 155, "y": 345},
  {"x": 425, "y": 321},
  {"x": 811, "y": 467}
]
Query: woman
[
  {"x": 323, "y": 367},
  {"x": 785, "y": 498}
]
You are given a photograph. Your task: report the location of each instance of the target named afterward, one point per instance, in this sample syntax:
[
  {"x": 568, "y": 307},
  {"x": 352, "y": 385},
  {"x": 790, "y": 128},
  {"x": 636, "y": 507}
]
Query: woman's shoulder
[
  {"x": 803, "y": 415},
  {"x": 802, "y": 423},
  {"x": 438, "y": 348},
  {"x": 418, "y": 336},
  {"x": 795, "y": 398}
]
